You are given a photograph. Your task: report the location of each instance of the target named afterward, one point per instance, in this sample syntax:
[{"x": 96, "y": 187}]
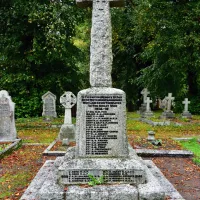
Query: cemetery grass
[{"x": 18, "y": 169}]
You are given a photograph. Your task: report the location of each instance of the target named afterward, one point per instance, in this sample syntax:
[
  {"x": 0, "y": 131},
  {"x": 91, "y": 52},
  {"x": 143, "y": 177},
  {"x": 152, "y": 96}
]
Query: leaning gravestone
[
  {"x": 143, "y": 106},
  {"x": 147, "y": 113},
  {"x": 102, "y": 148},
  {"x": 67, "y": 131},
  {"x": 186, "y": 113},
  {"x": 7, "y": 119},
  {"x": 49, "y": 105},
  {"x": 168, "y": 113}
]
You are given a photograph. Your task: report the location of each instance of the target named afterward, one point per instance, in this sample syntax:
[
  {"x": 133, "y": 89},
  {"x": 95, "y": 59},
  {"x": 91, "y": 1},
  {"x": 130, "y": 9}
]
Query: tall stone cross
[
  {"x": 101, "y": 40},
  {"x": 148, "y": 101},
  {"x": 68, "y": 100},
  {"x": 169, "y": 99},
  {"x": 145, "y": 93},
  {"x": 186, "y": 102}
]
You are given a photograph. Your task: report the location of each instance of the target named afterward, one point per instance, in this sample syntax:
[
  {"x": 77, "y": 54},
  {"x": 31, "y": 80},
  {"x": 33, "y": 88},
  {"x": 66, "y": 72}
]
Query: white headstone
[
  {"x": 7, "y": 120},
  {"x": 169, "y": 99},
  {"x": 145, "y": 93},
  {"x": 148, "y": 101},
  {"x": 186, "y": 103},
  {"x": 186, "y": 113},
  {"x": 49, "y": 105}
]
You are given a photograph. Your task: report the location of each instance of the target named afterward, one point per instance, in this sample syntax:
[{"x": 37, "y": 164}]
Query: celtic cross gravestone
[{"x": 68, "y": 100}]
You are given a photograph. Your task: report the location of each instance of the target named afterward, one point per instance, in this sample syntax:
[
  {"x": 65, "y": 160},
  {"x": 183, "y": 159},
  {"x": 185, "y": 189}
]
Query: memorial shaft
[{"x": 101, "y": 45}]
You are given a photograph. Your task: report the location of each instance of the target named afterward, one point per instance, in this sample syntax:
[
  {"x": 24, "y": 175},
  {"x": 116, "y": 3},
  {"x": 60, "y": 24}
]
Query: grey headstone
[
  {"x": 49, "y": 105},
  {"x": 7, "y": 120}
]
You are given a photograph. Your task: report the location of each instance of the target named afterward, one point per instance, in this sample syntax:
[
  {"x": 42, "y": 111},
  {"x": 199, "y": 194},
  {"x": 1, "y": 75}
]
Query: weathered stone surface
[
  {"x": 101, "y": 45},
  {"x": 7, "y": 117},
  {"x": 115, "y": 170},
  {"x": 49, "y": 105},
  {"x": 168, "y": 113},
  {"x": 186, "y": 113},
  {"x": 151, "y": 136},
  {"x": 88, "y": 3},
  {"x": 67, "y": 131},
  {"x": 169, "y": 189},
  {"x": 101, "y": 123},
  {"x": 47, "y": 174},
  {"x": 110, "y": 192}
]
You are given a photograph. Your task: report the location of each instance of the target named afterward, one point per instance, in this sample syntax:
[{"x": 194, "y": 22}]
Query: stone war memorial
[
  {"x": 7, "y": 117},
  {"x": 49, "y": 105},
  {"x": 102, "y": 149}
]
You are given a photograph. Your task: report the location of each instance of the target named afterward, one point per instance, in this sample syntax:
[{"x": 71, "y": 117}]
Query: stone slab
[
  {"x": 148, "y": 121},
  {"x": 167, "y": 153}
]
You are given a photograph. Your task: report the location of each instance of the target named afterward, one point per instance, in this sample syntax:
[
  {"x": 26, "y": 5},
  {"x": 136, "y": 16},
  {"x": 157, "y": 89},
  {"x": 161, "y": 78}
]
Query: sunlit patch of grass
[
  {"x": 133, "y": 115},
  {"x": 38, "y": 135},
  {"x": 194, "y": 146}
]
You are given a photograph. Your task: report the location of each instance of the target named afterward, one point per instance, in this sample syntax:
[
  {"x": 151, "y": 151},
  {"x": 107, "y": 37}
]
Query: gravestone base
[
  {"x": 167, "y": 115},
  {"x": 147, "y": 114},
  {"x": 46, "y": 186},
  {"x": 142, "y": 108},
  {"x": 186, "y": 115},
  {"x": 114, "y": 170},
  {"x": 67, "y": 131}
]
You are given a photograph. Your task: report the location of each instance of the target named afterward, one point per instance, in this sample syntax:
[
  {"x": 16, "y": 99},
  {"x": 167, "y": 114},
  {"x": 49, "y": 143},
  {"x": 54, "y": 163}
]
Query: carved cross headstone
[
  {"x": 169, "y": 99},
  {"x": 145, "y": 93},
  {"x": 186, "y": 102},
  {"x": 7, "y": 120},
  {"x": 49, "y": 105},
  {"x": 148, "y": 101},
  {"x": 68, "y": 100}
]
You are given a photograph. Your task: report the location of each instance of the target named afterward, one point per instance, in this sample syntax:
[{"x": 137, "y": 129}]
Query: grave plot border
[
  {"x": 48, "y": 152},
  {"x": 13, "y": 146}
]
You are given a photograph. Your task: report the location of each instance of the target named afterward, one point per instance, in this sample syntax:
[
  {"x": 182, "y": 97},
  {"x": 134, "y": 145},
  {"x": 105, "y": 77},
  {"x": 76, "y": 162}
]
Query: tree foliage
[{"x": 37, "y": 52}]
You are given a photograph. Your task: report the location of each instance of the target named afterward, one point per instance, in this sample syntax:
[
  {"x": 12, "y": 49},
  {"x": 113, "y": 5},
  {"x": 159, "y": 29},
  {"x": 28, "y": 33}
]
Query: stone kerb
[
  {"x": 7, "y": 120},
  {"x": 49, "y": 105}
]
